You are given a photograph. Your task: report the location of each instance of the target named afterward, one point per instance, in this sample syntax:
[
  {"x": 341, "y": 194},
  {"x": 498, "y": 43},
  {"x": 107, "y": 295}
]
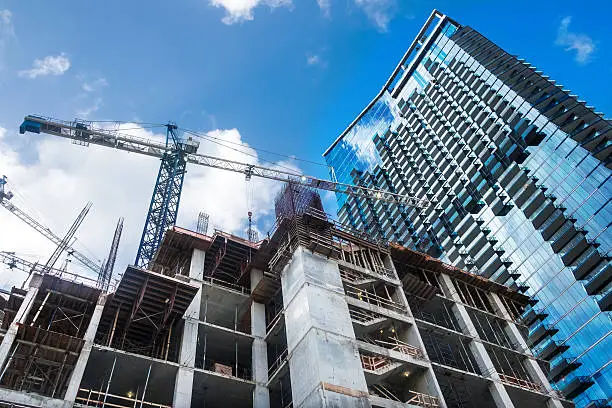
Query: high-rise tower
[{"x": 517, "y": 171}]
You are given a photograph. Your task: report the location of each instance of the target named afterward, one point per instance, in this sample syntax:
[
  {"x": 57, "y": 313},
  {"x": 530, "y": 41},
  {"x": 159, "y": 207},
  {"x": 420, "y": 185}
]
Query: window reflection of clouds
[{"x": 579, "y": 181}]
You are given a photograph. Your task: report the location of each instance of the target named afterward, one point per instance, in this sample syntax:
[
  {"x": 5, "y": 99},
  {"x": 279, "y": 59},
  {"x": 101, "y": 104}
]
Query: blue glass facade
[{"x": 517, "y": 171}]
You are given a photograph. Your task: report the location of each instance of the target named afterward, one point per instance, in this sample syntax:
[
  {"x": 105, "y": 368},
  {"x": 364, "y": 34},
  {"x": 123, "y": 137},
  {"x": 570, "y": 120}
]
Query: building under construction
[{"x": 314, "y": 315}]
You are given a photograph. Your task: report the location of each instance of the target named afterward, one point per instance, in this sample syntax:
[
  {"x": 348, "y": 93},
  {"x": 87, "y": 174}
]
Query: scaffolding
[
  {"x": 442, "y": 350},
  {"x": 511, "y": 370},
  {"x": 435, "y": 311},
  {"x": 457, "y": 397},
  {"x": 492, "y": 329}
]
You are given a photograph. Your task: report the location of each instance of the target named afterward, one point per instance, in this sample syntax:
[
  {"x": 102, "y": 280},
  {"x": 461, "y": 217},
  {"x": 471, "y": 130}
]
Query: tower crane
[
  {"x": 12, "y": 261},
  {"x": 175, "y": 153},
  {"x": 6, "y": 195}
]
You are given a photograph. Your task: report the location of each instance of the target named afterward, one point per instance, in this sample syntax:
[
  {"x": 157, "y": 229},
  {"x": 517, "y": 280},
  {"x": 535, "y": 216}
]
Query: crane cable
[
  {"x": 206, "y": 136},
  {"x": 222, "y": 141},
  {"x": 219, "y": 141}
]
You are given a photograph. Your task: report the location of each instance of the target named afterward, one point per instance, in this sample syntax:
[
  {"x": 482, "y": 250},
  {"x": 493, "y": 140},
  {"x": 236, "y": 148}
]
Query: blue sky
[
  {"x": 289, "y": 76},
  {"x": 179, "y": 61}
]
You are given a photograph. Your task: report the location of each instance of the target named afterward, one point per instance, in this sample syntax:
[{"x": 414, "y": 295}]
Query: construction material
[{"x": 222, "y": 369}]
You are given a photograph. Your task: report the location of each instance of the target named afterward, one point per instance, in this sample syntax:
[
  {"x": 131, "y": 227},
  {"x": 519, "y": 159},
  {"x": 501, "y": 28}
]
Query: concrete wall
[
  {"x": 321, "y": 342},
  {"x": 261, "y": 394},
  {"x": 183, "y": 387}
]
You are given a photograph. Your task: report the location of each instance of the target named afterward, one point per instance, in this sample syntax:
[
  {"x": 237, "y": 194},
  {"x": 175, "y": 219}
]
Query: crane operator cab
[{"x": 188, "y": 145}]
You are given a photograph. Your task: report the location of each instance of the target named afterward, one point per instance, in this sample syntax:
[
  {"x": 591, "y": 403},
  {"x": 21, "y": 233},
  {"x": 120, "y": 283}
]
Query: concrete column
[
  {"x": 531, "y": 365},
  {"x": 183, "y": 386},
  {"x": 324, "y": 360},
  {"x": 511, "y": 329},
  {"x": 448, "y": 288},
  {"x": 20, "y": 318},
  {"x": 478, "y": 350},
  {"x": 500, "y": 395},
  {"x": 428, "y": 383},
  {"x": 459, "y": 311},
  {"x": 497, "y": 389},
  {"x": 90, "y": 335},
  {"x": 261, "y": 394},
  {"x": 411, "y": 335}
]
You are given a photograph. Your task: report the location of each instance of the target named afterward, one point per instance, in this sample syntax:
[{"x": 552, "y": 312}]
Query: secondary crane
[
  {"x": 6, "y": 195},
  {"x": 63, "y": 245},
  {"x": 12, "y": 261},
  {"x": 175, "y": 153}
]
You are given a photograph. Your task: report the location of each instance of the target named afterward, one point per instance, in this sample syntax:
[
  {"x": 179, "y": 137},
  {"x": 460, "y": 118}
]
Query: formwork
[
  {"x": 49, "y": 340},
  {"x": 143, "y": 313}
]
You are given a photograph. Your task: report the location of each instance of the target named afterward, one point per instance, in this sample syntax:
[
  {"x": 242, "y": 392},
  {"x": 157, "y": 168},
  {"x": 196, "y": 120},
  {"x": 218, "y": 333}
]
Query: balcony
[
  {"x": 577, "y": 386},
  {"x": 550, "y": 349},
  {"x": 585, "y": 263},
  {"x": 562, "y": 368},
  {"x": 563, "y": 236},
  {"x": 278, "y": 367},
  {"x": 599, "y": 280},
  {"x": 552, "y": 224},
  {"x": 392, "y": 343},
  {"x": 372, "y": 298},
  {"x": 574, "y": 248},
  {"x": 542, "y": 213},
  {"x": 355, "y": 278},
  {"x": 531, "y": 315},
  {"x": 605, "y": 302},
  {"x": 540, "y": 332},
  {"x": 366, "y": 321}
]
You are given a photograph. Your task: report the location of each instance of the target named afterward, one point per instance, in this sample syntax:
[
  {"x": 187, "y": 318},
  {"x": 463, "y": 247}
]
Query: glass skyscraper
[{"x": 517, "y": 173}]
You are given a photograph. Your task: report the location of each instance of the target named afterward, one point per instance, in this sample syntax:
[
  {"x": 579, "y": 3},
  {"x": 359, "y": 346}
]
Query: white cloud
[
  {"x": 7, "y": 30},
  {"x": 95, "y": 85},
  {"x": 582, "y": 44},
  {"x": 58, "y": 178},
  {"x": 325, "y": 6},
  {"x": 86, "y": 112},
  {"x": 50, "y": 65},
  {"x": 379, "y": 12},
  {"x": 313, "y": 59},
  {"x": 242, "y": 10}
]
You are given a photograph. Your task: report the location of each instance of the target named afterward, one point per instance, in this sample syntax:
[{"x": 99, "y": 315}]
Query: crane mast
[
  {"x": 163, "y": 209},
  {"x": 175, "y": 153}
]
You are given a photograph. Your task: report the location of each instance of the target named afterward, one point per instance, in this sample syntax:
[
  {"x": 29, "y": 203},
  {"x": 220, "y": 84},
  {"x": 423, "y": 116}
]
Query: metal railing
[
  {"x": 519, "y": 382},
  {"x": 395, "y": 344},
  {"x": 277, "y": 364},
  {"x": 93, "y": 398},
  {"x": 225, "y": 284},
  {"x": 374, "y": 299},
  {"x": 423, "y": 400},
  {"x": 377, "y": 364},
  {"x": 384, "y": 392},
  {"x": 363, "y": 316}
]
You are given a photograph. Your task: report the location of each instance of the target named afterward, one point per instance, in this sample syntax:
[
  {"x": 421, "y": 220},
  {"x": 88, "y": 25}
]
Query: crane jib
[
  {"x": 172, "y": 171},
  {"x": 83, "y": 132}
]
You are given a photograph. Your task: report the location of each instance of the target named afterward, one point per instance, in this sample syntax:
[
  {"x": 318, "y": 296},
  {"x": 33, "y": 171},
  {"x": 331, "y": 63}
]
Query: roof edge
[{"x": 434, "y": 14}]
